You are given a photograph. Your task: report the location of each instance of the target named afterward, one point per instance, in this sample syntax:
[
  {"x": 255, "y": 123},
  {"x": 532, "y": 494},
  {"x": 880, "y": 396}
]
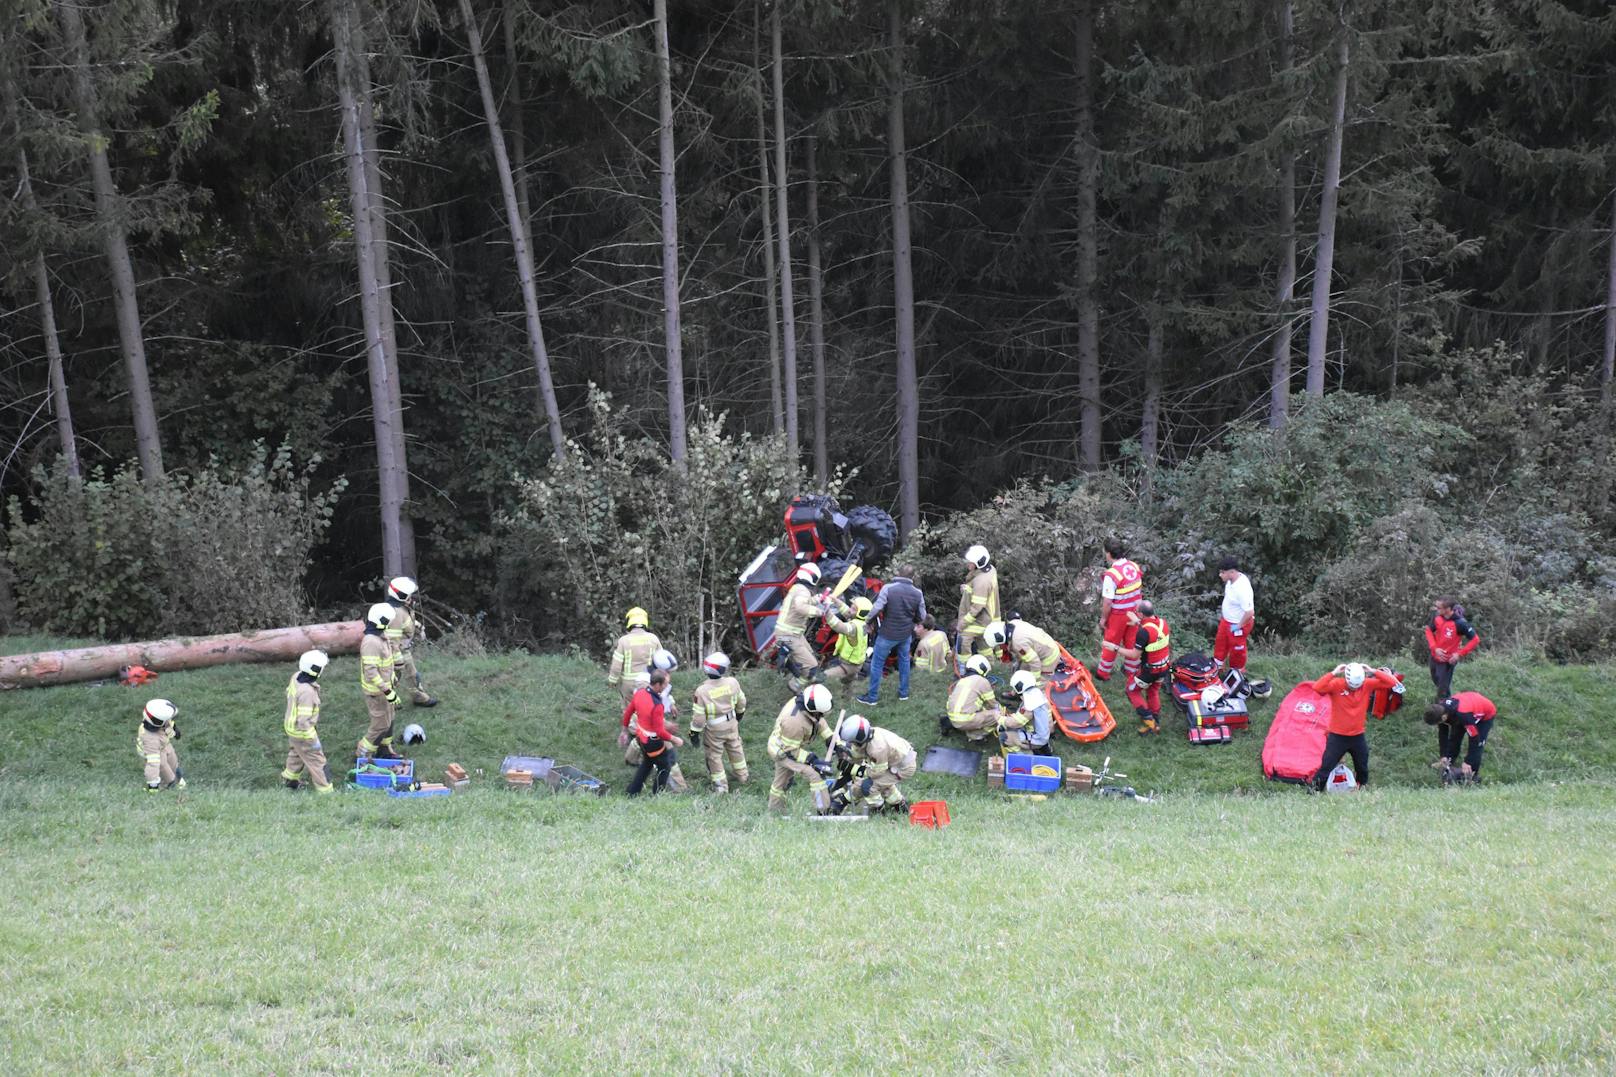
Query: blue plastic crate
[
  {"x": 1019, "y": 776},
  {"x": 386, "y": 781},
  {"x": 418, "y": 792}
]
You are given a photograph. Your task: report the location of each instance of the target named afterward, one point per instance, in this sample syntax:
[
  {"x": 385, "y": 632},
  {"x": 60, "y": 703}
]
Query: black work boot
[{"x": 292, "y": 784}]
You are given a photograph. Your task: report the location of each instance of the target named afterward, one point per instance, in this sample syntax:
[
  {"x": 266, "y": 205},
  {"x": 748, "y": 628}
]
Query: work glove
[
  {"x": 838, "y": 804},
  {"x": 392, "y": 697},
  {"x": 822, "y": 768},
  {"x": 622, "y": 739},
  {"x": 860, "y": 770},
  {"x": 176, "y": 731}
]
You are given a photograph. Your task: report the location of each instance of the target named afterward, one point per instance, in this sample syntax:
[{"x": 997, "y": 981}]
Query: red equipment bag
[
  {"x": 1227, "y": 711},
  {"x": 1295, "y": 742},
  {"x": 1210, "y": 734},
  {"x": 1192, "y": 675},
  {"x": 1381, "y": 702}
]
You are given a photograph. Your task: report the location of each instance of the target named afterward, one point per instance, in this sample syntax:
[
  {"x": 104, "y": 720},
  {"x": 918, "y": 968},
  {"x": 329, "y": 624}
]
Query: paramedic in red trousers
[
  {"x": 1450, "y": 637},
  {"x": 1121, "y": 588},
  {"x": 656, "y": 740},
  {"x": 1454, "y": 717},
  {"x": 1349, "y": 687},
  {"x": 1239, "y": 614}
]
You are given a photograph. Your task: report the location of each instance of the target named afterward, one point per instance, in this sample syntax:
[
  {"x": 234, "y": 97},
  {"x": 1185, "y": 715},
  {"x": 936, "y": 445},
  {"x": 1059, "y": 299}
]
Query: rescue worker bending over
[
  {"x": 932, "y": 652},
  {"x": 377, "y": 675},
  {"x": 631, "y": 654},
  {"x": 1121, "y": 588},
  {"x": 1455, "y": 716},
  {"x": 154, "y": 740},
  {"x": 799, "y": 722},
  {"x": 1029, "y": 728},
  {"x": 1027, "y": 645},
  {"x": 878, "y": 762},
  {"x": 715, "y": 721},
  {"x": 402, "y": 632},
  {"x": 657, "y": 741},
  {"x": 1152, "y": 653},
  {"x": 979, "y": 603},
  {"x": 303, "y": 751},
  {"x": 851, "y": 626},
  {"x": 973, "y": 709},
  {"x": 797, "y": 610},
  {"x": 1349, "y": 687}
]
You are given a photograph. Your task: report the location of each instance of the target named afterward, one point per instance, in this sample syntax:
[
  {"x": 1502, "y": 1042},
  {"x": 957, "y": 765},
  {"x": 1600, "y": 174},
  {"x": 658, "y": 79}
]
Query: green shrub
[
  {"x": 214, "y": 550},
  {"x": 614, "y": 524}
]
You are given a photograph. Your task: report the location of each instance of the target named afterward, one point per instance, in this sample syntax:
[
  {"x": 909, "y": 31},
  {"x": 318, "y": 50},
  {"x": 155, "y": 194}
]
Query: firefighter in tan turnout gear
[
  {"x": 303, "y": 751},
  {"x": 631, "y": 654},
  {"x": 879, "y": 761},
  {"x": 154, "y": 740},
  {"x": 979, "y": 603},
  {"x": 1028, "y": 646},
  {"x": 800, "y": 723},
  {"x": 377, "y": 676},
  {"x": 797, "y": 610},
  {"x": 715, "y": 722},
  {"x": 973, "y": 708},
  {"x": 401, "y": 634}
]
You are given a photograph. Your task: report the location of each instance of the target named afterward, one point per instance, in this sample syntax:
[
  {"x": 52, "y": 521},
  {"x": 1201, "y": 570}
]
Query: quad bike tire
[{"x": 874, "y": 530}]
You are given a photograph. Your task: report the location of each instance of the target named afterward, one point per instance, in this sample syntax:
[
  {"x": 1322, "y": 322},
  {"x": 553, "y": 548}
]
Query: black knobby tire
[{"x": 875, "y": 530}]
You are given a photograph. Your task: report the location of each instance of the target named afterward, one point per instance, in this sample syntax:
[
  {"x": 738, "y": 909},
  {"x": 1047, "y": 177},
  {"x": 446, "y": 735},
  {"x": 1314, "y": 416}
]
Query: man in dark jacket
[{"x": 901, "y": 606}]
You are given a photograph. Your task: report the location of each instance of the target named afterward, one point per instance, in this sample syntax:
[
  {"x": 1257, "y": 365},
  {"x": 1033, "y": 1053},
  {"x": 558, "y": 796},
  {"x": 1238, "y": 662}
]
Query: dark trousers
[
  {"x": 1442, "y": 677},
  {"x": 1337, "y": 745},
  {"x": 1450, "y": 738},
  {"x": 662, "y": 763}
]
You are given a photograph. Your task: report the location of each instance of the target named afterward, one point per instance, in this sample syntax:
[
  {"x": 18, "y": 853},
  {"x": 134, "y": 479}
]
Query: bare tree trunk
[
  {"x": 42, "y": 291},
  {"x": 518, "y": 108},
  {"x": 514, "y": 219},
  {"x": 776, "y": 391},
  {"x": 903, "y": 287},
  {"x": 1608, "y": 368},
  {"x": 782, "y": 206},
  {"x": 1150, "y": 412},
  {"x": 1279, "y": 393},
  {"x": 382, "y": 262},
  {"x": 816, "y": 320},
  {"x": 383, "y": 416},
  {"x": 1088, "y": 307},
  {"x": 1324, "y": 259},
  {"x": 148, "y": 445},
  {"x": 670, "y": 240}
]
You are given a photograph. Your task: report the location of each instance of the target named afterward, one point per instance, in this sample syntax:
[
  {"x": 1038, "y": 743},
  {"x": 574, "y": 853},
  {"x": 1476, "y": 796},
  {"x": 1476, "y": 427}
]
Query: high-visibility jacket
[
  {"x": 376, "y": 672},
  {"x": 1156, "y": 643},
  {"x": 971, "y": 695},
  {"x": 718, "y": 701},
  {"x": 400, "y": 631},
  {"x": 1123, "y": 585},
  {"x": 933, "y": 653},
  {"x": 794, "y": 727},
  {"x": 853, "y": 641},
  {"x": 1032, "y": 646},
  {"x": 883, "y": 751},
  {"x": 632, "y": 655},
  {"x": 302, "y": 709},
  {"x": 979, "y": 599},
  {"x": 798, "y": 608}
]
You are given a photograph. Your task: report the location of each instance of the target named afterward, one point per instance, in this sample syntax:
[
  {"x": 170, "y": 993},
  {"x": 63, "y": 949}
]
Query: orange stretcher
[{"x": 1076, "y": 704}]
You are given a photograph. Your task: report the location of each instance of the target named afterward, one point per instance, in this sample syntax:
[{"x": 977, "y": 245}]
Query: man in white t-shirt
[{"x": 1239, "y": 614}]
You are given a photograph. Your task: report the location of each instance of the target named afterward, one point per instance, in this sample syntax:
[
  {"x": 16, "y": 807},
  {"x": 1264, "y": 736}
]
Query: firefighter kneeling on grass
[
  {"x": 1028, "y": 646},
  {"x": 973, "y": 708},
  {"x": 303, "y": 751},
  {"x": 800, "y": 722},
  {"x": 878, "y": 761},
  {"x": 377, "y": 674},
  {"x": 1029, "y": 727},
  {"x": 851, "y": 625},
  {"x": 154, "y": 740},
  {"x": 715, "y": 721}
]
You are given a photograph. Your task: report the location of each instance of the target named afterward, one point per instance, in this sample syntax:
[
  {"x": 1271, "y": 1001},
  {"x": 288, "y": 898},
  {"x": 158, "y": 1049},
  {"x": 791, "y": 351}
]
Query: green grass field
[{"x": 1231, "y": 926}]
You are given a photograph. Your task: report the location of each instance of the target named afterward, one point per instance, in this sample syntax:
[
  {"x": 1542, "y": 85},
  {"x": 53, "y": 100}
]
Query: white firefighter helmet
[
  {"x": 1023, "y": 681},
  {"x": 978, "y": 665},
  {"x": 1354, "y": 674},
  {"x": 379, "y": 616},
  {"x": 664, "y": 660},
  {"x": 855, "y": 729},
  {"x": 808, "y": 574},
  {"x": 414, "y": 734},
  {"x": 161, "y": 710},
  {"x": 715, "y": 664},
  {"x": 978, "y": 556},
  {"x": 1212, "y": 693},
  {"x": 995, "y": 634},
  {"x": 815, "y": 699},
  {"x": 313, "y": 662},
  {"x": 401, "y": 588}
]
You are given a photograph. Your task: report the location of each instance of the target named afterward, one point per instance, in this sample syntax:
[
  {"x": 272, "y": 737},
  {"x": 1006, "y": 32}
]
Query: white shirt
[{"x": 1238, "y": 600}]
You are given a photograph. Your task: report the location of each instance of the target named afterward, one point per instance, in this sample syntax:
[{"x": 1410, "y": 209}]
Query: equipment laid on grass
[
  {"x": 1227, "y": 711},
  {"x": 454, "y": 776},
  {"x": 1075, "y": 703},
  {"x": 135, "y": 676},
  {"x": 382, "y": 773},
  {"x": 1295, "y": 741},
  {"x": 425, "y": 789},
  {"x": 186, "y": 652},
  {"x": 1203, "y": 735},
  {"x": 1382, "y": 702},
  {"x": 536, "y": 765},
  {"x": 1193, "y": 674},
  {"x": 1028, "y": 773},
  {"x": 414, "y": 734},
  {"x": 1341, "y": 780},
  {"x": 567, "y": 779},
  {"x": 932, "y": 814},
  {"x": 940, "y": 760}
]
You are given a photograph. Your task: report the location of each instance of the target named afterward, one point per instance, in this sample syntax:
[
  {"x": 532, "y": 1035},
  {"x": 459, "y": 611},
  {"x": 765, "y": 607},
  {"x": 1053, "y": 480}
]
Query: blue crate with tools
[
  {"x": 395, "y": 773},
  {"x": 437, "y": 791},
  {"x": 1028, "y": 773}
]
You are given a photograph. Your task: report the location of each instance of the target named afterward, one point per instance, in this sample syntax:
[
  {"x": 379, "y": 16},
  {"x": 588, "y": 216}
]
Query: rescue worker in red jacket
[
  {"x": 1152, "y": 645},
  {"x": 1450, "y": 637},
  {"x": 657, "y": 741},
  {"x": 1468, "y": 713},
  {"x": 1121, "y": 588},
  {"x": 1349, "y": 687}
]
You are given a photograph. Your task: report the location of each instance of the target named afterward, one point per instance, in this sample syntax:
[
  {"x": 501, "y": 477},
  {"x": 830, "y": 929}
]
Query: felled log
[{"x": 184, "y": 652}]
